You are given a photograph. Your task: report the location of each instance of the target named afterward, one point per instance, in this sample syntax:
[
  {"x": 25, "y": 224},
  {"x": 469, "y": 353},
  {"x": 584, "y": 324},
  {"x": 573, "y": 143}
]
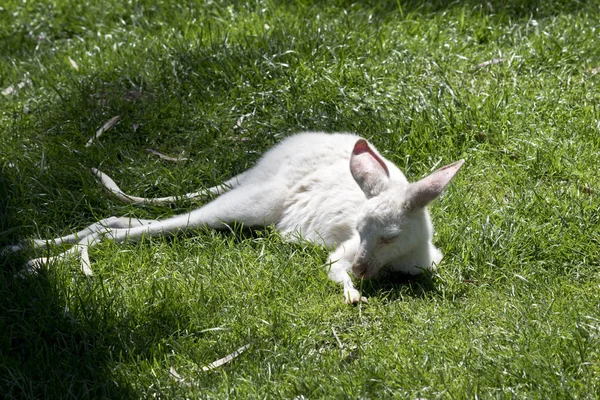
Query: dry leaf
[
  {"x": 11, "y": 89},
  {"x": 238, "y": 123},
  {"x": 240, "y": 120},
  {"x": 74, "y": 64},
  {"x": 107, "y": 125},
  {"x": 133, "y": 95},
  {"x": 226, "y": 359},
  {"x": 110, "y": 123},
  {"x": 339, "y": 342},
  {"x": 178, "y": 377},
  {"x": 491, "y": 62},
  {"x": 8, "y": 91},
  {"x": 167, "y": 158},
  {"x": 174, "y": 374}
]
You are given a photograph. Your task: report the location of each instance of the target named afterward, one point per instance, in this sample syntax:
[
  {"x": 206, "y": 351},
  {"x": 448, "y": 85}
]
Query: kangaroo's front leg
[{"x": 340, "y": 264}]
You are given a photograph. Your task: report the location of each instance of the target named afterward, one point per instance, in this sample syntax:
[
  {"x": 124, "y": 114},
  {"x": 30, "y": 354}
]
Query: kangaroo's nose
[
  {"x": 358, "y": 270},
  {"x": 361, "y": 270}
]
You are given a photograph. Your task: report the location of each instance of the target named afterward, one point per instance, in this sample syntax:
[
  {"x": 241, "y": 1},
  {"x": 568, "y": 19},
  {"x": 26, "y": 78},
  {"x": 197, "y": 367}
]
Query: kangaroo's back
[{"x": 301, "y": 155}]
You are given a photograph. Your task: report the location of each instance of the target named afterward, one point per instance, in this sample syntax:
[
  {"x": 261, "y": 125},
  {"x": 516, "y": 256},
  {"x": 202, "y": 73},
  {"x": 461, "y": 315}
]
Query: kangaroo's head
[{"x": 394, "y": 225}]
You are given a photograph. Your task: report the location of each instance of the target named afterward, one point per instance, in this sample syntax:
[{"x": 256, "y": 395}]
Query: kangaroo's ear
[
  {"x": 368, "y": 169},
  {"x": 422, "y": 192}
]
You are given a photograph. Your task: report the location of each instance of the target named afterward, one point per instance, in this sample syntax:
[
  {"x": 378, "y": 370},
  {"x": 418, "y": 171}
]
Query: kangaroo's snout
[{"x": 364, "y": 270}]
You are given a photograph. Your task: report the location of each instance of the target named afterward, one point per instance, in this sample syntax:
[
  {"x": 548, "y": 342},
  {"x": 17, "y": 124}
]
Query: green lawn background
[{"x": 514, "y": 309}]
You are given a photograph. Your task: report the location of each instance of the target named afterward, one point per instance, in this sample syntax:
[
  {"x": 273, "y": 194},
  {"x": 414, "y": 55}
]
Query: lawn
[{"x": 513, "y": 310}]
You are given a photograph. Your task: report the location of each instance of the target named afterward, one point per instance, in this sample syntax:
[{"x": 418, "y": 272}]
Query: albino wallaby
[{"x": 332, "y": 189}]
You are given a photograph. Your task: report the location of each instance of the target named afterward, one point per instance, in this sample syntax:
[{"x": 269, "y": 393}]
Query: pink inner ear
[
  {"x": 362, "y": 146},
  {"x": 368, "y": 169}
]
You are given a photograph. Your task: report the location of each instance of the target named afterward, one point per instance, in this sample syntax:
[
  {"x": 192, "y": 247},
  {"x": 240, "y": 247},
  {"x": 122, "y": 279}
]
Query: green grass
[{"x": 514, "y": 310}]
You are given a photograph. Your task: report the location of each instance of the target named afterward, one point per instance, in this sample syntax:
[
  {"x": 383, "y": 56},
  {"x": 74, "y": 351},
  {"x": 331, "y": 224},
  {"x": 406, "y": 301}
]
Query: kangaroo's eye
[{"x": 387, "y": 239}]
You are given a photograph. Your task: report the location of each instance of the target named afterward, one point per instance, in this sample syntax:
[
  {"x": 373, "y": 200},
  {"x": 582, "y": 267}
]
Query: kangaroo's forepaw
[{"x": 353, "y": 296}]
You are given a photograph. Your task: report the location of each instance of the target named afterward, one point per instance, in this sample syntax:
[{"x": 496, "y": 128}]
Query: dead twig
[
  {"x": 209, "y": 367},
  {"x": 594, "y": 71},
  {"x": 165, "y": 157},
  {"x": 339, "y": 342},
  {"x": 178, "y": 377},
  {"x": 226, "y": 359},
  {"x": 107, "y": 125},
  {"x": 491, "y": 62},
  {"x": 74, "y": 64}
]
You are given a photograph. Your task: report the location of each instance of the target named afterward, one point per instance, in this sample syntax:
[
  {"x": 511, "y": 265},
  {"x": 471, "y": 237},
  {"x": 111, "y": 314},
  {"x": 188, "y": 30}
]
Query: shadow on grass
[
  {"x": 44, "y": 353},
  {"x": 50, "y": 351},
  {"x": 396, "y": 286}
]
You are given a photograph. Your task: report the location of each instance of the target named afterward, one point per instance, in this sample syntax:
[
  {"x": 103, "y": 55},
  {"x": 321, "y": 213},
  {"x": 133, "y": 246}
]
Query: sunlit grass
[{"x": 514, "y": 309}]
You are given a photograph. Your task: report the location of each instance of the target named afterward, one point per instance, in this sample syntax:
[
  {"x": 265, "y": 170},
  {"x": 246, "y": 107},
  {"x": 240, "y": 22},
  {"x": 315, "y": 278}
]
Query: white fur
[{"x": 333, "y": 189}]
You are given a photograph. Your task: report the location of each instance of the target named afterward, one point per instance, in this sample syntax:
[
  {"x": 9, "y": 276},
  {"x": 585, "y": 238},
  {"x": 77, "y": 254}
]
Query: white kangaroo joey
[{"x": 333, "y": 189}]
